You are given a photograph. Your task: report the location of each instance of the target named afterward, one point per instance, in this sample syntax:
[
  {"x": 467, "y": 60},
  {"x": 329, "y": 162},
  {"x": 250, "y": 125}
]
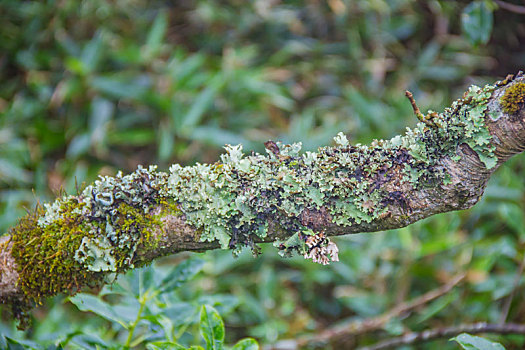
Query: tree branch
[
  {"x": 511, "y": 7},
  {"x": 299, "y": 200},
  {"x": 357, "y": 327},
  {"x": 447, "y": 332}
]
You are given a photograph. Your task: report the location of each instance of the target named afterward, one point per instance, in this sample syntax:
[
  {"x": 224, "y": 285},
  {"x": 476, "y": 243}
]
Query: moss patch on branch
[
  {"x": 86, "y": 239},
  {"x": 513, "y": 100}
]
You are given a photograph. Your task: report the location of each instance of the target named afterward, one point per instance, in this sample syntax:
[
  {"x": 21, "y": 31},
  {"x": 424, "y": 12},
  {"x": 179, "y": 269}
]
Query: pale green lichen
[
  {"x": 97, "y": 232},
  {"x": 311, "y": 245},
  {"x": 230, "y": 201},
  {"x": 53, "y": 213},
  {"x": 119, "y": 203},
  {"x": 341, "y": 140},
  {"x": 96, "y": 254}
]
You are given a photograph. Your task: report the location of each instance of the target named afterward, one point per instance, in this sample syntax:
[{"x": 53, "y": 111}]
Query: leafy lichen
[
  {"x": 311, "y": 245},
  {"x": 232, "y": 200},
  {"x": 78, "y": 239}
]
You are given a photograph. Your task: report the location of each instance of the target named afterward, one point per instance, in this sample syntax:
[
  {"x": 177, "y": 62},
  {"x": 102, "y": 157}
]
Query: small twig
[
  {"x": 511, "y": 7},
  {"x": 508, "y": 301},
  {"x": 352, "y": 327},
  {"x": 417, "y": 112},
  {"x": 447, "y": 332},
  {"x": 422, "y": 118}
]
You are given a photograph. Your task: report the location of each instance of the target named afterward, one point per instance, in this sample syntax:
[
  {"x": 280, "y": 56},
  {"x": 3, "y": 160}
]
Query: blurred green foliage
[
  {"x": 92, "y": 87},
  {"x": 470, "y": 342}
]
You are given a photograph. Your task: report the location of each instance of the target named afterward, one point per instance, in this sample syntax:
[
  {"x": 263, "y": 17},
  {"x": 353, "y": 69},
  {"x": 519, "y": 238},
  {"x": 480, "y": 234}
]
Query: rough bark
[{"x": 162, "y": 221}]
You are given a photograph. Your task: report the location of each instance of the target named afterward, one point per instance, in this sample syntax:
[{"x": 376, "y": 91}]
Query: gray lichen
[
  {"x": 232, "y": 201},
  {"x": 88, "y": 238}
]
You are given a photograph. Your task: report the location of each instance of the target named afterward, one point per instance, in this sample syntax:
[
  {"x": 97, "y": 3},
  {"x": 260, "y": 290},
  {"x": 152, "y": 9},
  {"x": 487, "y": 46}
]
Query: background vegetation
[{"x": 92, "y": 87}]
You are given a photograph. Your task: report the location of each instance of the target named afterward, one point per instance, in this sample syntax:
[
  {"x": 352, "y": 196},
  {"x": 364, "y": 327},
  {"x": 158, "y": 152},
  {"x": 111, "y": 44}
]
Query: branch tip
[{"x": 417, "y": 112}]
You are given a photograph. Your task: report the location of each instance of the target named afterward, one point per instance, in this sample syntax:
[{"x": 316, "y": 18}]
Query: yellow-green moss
[
  {"x": 131, "y": 219},
  {"x": 514, "y": 98},
  {"x": 45, "y": 256},
  {"x": 78, "y": 241},
  {"x": 169, "y": 206}
]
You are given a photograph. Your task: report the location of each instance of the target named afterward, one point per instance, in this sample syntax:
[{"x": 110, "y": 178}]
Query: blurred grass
[{"x": 91, "y": 87}]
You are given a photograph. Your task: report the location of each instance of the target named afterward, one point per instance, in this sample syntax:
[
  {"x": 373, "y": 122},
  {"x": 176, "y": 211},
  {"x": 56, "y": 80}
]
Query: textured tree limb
[
  {"x": 511, "y": 7},
  {"x": 447, "y": 332},
  {"x": 357, "y": 327},
  {"x": 122, "y": 222}
]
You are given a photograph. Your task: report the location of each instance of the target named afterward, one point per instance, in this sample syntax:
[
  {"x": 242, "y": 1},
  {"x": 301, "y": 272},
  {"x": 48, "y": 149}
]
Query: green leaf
[
  {"x": 437, "y": 306},
  {"x": 513, "y": 215},
  {"x": 75, "y": 65},
  {"x": 201, "y": 104},
  {"x": 179, "y": 314},
  {"x": 212, "y": 328},
  {"x": 143, "y": 280},
  {"x": 101, "y": 112},
  {"x": 471, "y": 342},
  {"x": 164, "y": 345},
  {"x": 477, "y": 22},
  {"x": 92, "y": 53},
  {"x": 166, "y": 141},
  {"x": 89, "y": 341},
  {"x": 246, "y": 344},
  {"x": 88, "y": 302},
  {"x": 134, "y": 137},
  {"x": 214, "y": 135},
  {"x": 79, "y": 145},
  {"x": 17, "y": 344},
  {"x": 185, "y": 271},
  {"x": 224, "y": 303},
  {"x": 120, "y": 86},
  {"x": 156, "y": 35},
  {"x": 10, "y": 172}
]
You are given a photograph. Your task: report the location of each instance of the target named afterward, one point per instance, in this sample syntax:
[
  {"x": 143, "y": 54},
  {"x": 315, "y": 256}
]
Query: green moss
[
  {"x": 513, "y": 100},
  {"x": 79, "y": 240},
  {"x": 169, "y": 206},
  {"x": 112, "y": 244},
  {"x": 131, "y": 219},
  {"x": 45, "y": 255}
]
